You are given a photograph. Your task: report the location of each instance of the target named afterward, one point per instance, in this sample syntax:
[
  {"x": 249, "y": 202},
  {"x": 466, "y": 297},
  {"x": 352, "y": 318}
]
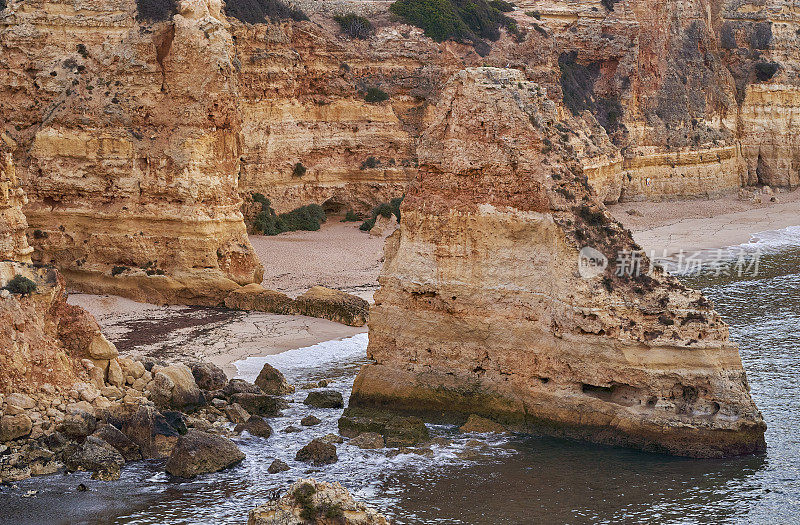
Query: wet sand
[{"x": 184, "y": 334}]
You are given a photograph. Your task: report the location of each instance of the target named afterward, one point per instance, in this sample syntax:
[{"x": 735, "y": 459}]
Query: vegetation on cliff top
[
  {"x": 465, "y": 21},
  {"x": 154, "y": 10},
  {"x": 354, "y": 26},
  {"x": 305, "y": 218},
  {"x": 259, "y": 11}
]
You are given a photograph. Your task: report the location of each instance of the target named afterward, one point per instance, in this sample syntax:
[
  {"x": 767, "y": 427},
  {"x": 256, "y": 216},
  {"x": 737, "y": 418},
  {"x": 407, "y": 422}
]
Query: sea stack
[{"x": 484, "y": 309}]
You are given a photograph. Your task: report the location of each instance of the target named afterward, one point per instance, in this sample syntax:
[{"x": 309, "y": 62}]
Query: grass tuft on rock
[{"x": 375, "y": 95}]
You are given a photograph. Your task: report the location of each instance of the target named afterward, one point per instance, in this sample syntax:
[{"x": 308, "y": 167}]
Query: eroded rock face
[
  {"x": 127, "y": 140},
  {"x": 482, "y": 309}
]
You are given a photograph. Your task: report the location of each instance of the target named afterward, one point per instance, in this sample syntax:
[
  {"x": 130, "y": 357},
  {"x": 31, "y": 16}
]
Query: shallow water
[{"x": 500, "y": 480}]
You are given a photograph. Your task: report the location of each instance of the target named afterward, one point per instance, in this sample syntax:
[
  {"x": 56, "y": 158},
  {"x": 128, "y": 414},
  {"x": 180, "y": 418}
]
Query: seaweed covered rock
[
  {"x": 500, "y": 296},
  {"x": 333, "y": 305}
]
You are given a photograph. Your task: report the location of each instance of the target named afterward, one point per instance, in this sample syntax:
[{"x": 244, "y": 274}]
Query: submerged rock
[
  {"x": 500, "y": 295},
  {"x": 311, "y": 501},
  {"x": 271, "y": 381},
  {"x": 310, "y": 421},
  {"x": 368, "y": 440},
  {"x": 325, "y": 399},
  {"x": 199, "y": 452},
  {"x": 318, "y": 452},
  {"x": 482, "y": 425},
  {"x": 397, "y": 430}
]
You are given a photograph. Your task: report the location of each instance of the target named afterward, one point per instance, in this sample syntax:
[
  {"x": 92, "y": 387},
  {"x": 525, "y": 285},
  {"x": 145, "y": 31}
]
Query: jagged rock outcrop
[
  {"x": 13, "y": 240},
  {"x": 482, "y": 309},
  {"x": 127, "y": 139}
]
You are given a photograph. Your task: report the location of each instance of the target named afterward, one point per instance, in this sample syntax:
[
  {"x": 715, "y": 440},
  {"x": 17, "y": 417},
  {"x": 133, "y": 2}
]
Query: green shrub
[
  {"x": 304, "y": 218},
  {"x": 355, "y": 26},
  {"x": 258, "y": 11},
  {"x": 21, "y": 285},
  {"x": 2, "y": 4},
  {"x": 299, "y": 170},
  {"x": 502, "y": 5},
  {"x": 765, "y": 70},
  {"x": 116, "y": 270},
  {"x": 367, "y": 225},
  {"x": 351, "y": 216},
  {"x": 374, "y": 95},
  {"x": 370, "y": 163},
  {"x": 383, "y": 209},
  {"x": 395, "y": 204},
  {"x": 155, "y": 10},
  {"x": 534, "y": 14},
  {"x": 466, "y": 21}
]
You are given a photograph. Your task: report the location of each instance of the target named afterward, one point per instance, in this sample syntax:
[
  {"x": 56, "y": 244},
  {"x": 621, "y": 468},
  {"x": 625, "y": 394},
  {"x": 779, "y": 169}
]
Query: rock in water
[
  {"x": 311, "y": 501},
  {"x": 325, "y": 399},
  {"x": 209, "y": 376},
  {"x": 277, "y": 466},
  {"x": 199, "y": 452},
  {"x": 271, "y": 381},
  {"x": 318, "y": 452},
  {"x": 483, "y": 308},
  {"x": 97, "y": 456},
  {"x": 256, "y": 426}
]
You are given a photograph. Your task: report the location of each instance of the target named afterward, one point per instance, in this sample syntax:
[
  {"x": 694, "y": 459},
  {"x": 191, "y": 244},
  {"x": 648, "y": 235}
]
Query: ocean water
[{"x": 486, "y": 479}]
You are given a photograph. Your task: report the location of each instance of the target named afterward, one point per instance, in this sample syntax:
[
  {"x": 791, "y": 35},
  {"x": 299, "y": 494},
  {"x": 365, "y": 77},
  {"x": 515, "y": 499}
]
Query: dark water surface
[{"x": 493, "y": 480}]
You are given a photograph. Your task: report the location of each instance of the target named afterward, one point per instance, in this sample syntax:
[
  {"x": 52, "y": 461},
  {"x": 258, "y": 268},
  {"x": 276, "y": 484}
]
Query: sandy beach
[
  {"x": 341, "y": 256},
  {"x": 694, "y": 225}
]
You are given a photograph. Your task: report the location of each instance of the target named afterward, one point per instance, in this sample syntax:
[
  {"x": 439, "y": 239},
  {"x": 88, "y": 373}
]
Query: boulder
[
  {"x": 14, "y": 427},
  {"x": 310, "y": 421},
  {"x": 176, "y": 420},
  {"x": 317, "y": 453},
  {"x": 277, "y": 466},
  {"x": 20, "y": 401},
  {"x": 174, "y": 387},
  {"x": 117, "y": 439},
  {"x": 311, "y": 501},
  {"x": 209, "y": 376},
  {"x": 78, "y": 424},
  {"x": 397, "y": 430},
  {"x": 260, "y": 404},
  {"x": 332, "y": 438},
  {"x": 256, "y": 426},
  {"x": 199, "y": 452},
  {"x": 368, "y": 440},
  {"x": 325, "y": 399},
  {"x": 256, "y": 297},
  {"x": 97, "y": 456},
  {"x": 236, "y": 414},
  {"x": 481, "y": 425},
  {"x": 149, "y": 429},
  {"x": 333, "y": 305},
  {"x": 240, "y": 386},
  {"x": 271, "y": 381}
]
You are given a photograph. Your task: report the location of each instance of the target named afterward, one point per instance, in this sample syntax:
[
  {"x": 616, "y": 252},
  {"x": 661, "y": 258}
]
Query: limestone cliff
[
  {"x": 13, "y": 240},
  {"x": 42, "y": 338},
  {"x": 127, "y": 138},
  {"x": 482, "y": 308}
]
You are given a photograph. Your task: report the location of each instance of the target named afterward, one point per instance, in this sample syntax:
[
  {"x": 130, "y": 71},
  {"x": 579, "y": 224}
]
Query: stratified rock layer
[
  {"x": 482, "y": 309},
  {"x": 128, "y": 142}
]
